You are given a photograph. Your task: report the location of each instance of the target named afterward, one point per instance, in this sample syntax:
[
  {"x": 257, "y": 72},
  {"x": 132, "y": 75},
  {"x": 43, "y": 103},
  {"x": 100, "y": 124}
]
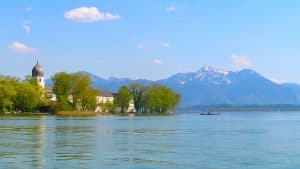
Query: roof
[
  {"x": 105, "y": 93},
  {"x": 37, "y": 70}
]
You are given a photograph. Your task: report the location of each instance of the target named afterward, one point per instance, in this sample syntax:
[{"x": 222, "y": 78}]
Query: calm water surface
[{"x": 257, "y": 140}]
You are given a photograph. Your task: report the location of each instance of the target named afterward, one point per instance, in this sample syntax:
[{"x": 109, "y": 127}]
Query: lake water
[{"x": 251, "y": 140}]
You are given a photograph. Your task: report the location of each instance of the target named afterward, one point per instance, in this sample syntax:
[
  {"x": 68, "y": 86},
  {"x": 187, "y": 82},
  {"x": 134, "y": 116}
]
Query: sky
[{"x": 150, "y": 39}]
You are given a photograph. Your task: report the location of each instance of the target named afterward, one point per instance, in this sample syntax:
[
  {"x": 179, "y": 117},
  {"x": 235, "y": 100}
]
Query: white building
[
  {"x": 105, "y": 97},
  {"x": 102, "y": 98}
]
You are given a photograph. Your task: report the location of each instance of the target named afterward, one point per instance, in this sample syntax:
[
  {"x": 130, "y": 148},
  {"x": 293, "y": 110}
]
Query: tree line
[
  {"x": 20, "y": 95},
  {"x": 74, "y": 92}
]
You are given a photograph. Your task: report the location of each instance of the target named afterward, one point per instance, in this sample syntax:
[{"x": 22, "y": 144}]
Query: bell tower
[{"x": 38, "y": 74}]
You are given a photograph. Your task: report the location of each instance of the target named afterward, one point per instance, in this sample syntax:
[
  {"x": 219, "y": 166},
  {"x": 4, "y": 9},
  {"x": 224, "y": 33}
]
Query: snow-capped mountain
[
  {"x": 209, "y": 74},
  {"x": 214, "y": 86},
  {"x": 209, "y": 85}
]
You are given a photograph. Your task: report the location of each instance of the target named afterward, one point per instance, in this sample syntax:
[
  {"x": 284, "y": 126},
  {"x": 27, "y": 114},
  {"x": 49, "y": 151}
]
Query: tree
[
  {"x": 29, "y": 96},
  {"x": 16, "y": 95},
  {"x": 138, "y": 91},
  {"x": 160, "y": 99},
  {"x": 123, "y": 98},
  {"x": 7, "y": 93},
  {"x": 83, "y": 95},
  {"x": 108, "y": 107},
  {"x": 62, "y": 88}
]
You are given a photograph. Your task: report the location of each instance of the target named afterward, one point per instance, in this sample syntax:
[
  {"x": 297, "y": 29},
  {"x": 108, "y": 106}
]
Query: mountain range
[{"x": 211, "y": 86}]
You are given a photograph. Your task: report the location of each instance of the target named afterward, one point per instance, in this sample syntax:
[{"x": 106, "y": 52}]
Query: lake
[{"x": 233, "y": 140}]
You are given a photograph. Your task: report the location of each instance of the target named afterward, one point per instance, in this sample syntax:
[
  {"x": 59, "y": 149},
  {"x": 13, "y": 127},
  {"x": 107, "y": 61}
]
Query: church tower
[{"x": 38, "y": 74}]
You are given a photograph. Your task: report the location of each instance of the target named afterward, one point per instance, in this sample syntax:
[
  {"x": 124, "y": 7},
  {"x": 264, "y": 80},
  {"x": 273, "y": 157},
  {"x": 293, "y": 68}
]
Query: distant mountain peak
[
  {"x": 213, "y": 69},
  {"x": 206, "y": 74},
  {"x": 249, "y": 71},
  {"x": 213, "y": 75}
]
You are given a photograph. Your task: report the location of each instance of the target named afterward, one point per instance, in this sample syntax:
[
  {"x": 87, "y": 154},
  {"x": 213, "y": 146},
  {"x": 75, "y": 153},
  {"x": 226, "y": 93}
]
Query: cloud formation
[
  {"x": 20, "y": 47},
  {"x": 171, "y": 8},
  {"x": 241, "y": 61},
  {"x": 165, "y": 45},
  {"x": 89, "y": 14},
  {"x": 26, "y": 27},
  {"x": 158, "y": 61}
]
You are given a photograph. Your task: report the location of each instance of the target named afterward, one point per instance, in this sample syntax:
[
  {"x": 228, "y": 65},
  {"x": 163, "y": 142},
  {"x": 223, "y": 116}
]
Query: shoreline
[{"x": 81, "y": 113}]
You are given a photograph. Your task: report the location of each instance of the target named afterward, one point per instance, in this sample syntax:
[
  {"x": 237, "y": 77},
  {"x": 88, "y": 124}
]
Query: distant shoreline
[
  {"x": 239, "y": 108},
  {"x": 183, "y": 109},
  {"x": 81, "y": 113}
]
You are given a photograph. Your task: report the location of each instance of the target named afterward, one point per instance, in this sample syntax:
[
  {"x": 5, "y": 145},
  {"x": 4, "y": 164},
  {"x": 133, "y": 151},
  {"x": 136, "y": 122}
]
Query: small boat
[{"x": 209, "y": 114}]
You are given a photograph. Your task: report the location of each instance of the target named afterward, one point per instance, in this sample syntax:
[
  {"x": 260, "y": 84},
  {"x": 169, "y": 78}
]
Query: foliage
[
  {"x": 28, "y": 97},
  {"x": 62, "y": 88},
  {"x": 123, "y": 98},
  {"x": 138, "y": 92},
  {"x": 160, "y": 99},
  {"x": 84, "y": 96},
  {"x": 154, "y": 99},
  {"x": 7, "y": 93},
  {"x": 108, "y": 107},
  {"x": 75, "y": 90},
  {"x": 16, "y": 95}
]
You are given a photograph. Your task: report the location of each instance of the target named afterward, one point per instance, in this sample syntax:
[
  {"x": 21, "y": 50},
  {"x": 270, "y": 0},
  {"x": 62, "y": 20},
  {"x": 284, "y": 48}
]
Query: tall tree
[
  {"x": 7, "y": 93},
  {"x": 160, "y": 99},
  {"x": 123, "y": 98},
  {"x": 62, "y": 88},
  {"x": 29, "y": 96},
  {"x": 138, "y": 91},
  {"x": 83, "y": 95}
]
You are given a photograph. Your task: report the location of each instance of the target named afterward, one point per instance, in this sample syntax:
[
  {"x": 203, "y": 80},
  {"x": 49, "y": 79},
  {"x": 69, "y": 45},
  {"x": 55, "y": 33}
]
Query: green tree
[
  {"x": 62, "y": 88},
  {"x": 29, "y": 96},
  {"x": 83, "y": 95},
  {"x": 160, "y": 99},
  {"x": 138, "y": 91},
  {"x": 123, "y": 98},
  {"x": 7, "y": 93},
  {"x": 17, "y": 95},
  {"x": 108, "y": 107}
]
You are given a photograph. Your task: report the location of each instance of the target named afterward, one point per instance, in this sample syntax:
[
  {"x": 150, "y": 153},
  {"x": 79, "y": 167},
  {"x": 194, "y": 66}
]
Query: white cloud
[
  {"x": 140, "y": 46},
  {"x": 20, "y": 47},
  {"x": 241, "y": 61},
  {"x": 158, "y": 61},
  {"x": 165, "y": 45},
  {"x": 89, "y": 14},
  {"x": 171, "y": 8},
  {"x": 26, "y": 27}
]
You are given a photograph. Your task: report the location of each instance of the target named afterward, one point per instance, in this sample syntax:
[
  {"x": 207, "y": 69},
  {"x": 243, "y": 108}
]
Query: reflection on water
[{"x": 257, "y": 140}]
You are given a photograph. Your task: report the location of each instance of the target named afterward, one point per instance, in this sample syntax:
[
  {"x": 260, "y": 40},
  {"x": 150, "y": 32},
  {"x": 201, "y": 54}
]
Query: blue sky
[{"x": 151, "y": 39}]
